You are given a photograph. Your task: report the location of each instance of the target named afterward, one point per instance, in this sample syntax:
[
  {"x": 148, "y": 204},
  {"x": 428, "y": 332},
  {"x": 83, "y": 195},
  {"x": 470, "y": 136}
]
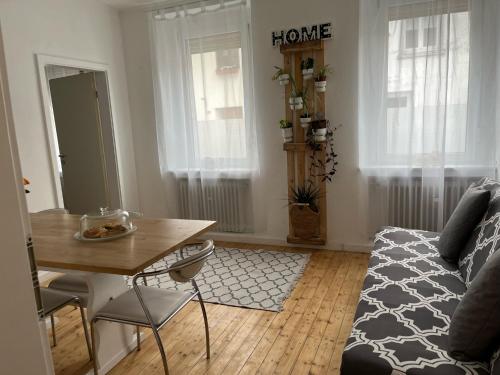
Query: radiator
[
  {"x": 410, "y": 203},
  {"x": 227, "y": 201}
]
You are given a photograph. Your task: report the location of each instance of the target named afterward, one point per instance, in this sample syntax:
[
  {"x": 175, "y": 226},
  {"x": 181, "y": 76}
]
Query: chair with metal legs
[
  {"x": 153, "y": 307},
  {"x": 53, "y": 301}
]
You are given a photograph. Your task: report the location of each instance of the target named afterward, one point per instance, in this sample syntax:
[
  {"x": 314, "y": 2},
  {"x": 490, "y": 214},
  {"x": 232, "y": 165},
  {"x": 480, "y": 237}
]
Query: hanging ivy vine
[{"x": 327, "y": 168}]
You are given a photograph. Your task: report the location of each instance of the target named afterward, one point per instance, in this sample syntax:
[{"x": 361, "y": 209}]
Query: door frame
[
  {"x": 15, "y": 228},
  {"x": 50, "y": 127}
]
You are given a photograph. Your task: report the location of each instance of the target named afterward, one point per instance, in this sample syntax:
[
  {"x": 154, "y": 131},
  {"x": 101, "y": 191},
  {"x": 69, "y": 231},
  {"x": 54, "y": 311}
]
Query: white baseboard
[{"x": 262, "y": 239}]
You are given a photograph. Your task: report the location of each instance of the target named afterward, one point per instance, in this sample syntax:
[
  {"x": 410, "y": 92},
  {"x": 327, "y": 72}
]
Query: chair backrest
[
  {"x": 54, "y": 211},
  {"x": 186, "y": 269},
  {"x": 183, "y": 270}
]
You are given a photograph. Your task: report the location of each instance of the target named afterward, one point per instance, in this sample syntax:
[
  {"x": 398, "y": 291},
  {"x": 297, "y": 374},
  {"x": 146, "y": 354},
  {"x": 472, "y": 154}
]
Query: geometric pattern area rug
[{"x": 256, "y": 279}]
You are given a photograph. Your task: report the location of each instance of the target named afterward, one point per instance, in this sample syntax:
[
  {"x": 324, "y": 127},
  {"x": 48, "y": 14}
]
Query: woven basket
[{"x": 305, "y": 222}]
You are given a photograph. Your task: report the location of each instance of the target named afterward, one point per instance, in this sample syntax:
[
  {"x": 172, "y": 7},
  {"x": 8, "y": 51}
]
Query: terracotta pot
[{"x": 305, "y": 222}]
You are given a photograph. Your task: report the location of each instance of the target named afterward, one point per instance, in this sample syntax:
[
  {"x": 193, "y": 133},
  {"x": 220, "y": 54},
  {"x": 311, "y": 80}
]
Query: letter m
[{"x": 309, "y": 33}]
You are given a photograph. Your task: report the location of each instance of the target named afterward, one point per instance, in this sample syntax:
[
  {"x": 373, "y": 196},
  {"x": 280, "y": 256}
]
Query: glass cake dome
[{"x": 105, "y": 224}]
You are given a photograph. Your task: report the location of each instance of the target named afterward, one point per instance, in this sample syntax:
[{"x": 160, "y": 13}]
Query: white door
[{"x": 76, "y": 115}]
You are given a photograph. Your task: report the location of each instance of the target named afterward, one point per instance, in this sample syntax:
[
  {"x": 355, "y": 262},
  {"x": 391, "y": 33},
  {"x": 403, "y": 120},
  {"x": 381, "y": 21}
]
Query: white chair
[
  {"x": 153, "y": 307},
  {"x": 53, "y": 301}
]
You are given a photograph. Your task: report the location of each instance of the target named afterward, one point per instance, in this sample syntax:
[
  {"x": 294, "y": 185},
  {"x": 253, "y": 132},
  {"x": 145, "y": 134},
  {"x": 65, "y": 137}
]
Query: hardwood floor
[{"x": 307, "y": 337}]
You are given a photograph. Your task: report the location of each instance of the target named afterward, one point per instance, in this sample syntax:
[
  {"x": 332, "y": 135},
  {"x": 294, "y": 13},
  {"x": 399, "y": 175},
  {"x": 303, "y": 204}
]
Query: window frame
[
  {"x": 232, "y": 166},
  {"x": 407, "y": 12}
]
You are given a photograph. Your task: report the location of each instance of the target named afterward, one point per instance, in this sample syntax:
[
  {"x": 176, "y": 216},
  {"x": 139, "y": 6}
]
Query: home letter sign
[{"x": 302, "y": 34}]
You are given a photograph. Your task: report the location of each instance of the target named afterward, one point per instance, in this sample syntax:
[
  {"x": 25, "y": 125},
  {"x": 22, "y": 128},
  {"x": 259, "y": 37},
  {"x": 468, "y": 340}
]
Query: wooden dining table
[{"x": 103, "y": 266}]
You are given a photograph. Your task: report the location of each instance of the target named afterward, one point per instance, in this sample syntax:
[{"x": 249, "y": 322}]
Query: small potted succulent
[
  {"x": 319, "y": 130},
  {"x": 307, "y": 67},
  {"x": 320, "y": 78},
  {"x": 286, "y": 130},
  {"x": 296, "y": 101},
  {"x": 281, "y": 76}
]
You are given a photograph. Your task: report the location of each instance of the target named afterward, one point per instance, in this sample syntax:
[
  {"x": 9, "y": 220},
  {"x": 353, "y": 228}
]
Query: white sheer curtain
[
  {"x": 204, "y": 104},
  {"x": 427, "y": 117}
]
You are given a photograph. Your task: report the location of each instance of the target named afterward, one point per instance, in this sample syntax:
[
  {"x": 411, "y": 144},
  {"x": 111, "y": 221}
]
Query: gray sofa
[{"x": 409, "y": 296}]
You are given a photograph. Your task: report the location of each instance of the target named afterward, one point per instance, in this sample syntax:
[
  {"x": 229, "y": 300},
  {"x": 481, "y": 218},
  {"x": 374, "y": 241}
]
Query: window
[
  {"x": 427, "y": 88},
  {"x": 411, "y": 39},
  {"x": 219, "y": 96},
  {"x": 430, "y": 37},
  {"x": 228, "y": 60}
]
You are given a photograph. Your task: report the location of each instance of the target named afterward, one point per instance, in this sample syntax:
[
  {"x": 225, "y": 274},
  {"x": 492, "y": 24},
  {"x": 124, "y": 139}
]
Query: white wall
[
  {"x": 19, "y": 320},
  {"x": 344, "y": 213},
  {"x": 80, "y": 29}
]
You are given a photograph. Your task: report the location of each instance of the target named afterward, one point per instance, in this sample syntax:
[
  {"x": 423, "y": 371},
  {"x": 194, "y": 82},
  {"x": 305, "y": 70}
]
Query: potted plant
[
  {"x": 296, "y": 101},
  {"x": 319, "y": 130},
  {"x": 286, "y": 130},
  {"x": 320, "y": 79},
  {"x": 305, "y": 117},
  {"x": 307, "y": 67},
  {"x": 281, "y": 76},
  {"x": 304, "y": 212},
  {"x": 323, "y": 167}
]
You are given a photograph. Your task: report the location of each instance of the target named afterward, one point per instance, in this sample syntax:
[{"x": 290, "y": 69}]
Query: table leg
[{"x": 113, "y": 341}]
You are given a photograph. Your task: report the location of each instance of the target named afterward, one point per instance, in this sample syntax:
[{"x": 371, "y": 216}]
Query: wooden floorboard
[{"x": 307, "y": 337}]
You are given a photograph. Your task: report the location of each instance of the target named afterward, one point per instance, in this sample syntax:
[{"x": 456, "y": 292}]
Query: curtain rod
[{"x": 173, "y": 5}]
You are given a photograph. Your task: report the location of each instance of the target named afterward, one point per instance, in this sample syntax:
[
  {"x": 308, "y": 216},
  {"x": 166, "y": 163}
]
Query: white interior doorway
[{"x": 78, "y": 113}]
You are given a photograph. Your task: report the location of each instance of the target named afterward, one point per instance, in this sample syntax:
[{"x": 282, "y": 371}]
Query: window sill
[
  {"x": 235, "y": 174},
  {"x": 451, "y": 171}
]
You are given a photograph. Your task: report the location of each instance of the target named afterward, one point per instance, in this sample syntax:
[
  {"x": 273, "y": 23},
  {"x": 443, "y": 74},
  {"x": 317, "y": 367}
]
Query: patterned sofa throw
[
  {"x": 485, "y": 238},
  {"x": 475, "y": 325},
  {"x": 403, "y": 317},
  {"x": 469, "y": 211}
]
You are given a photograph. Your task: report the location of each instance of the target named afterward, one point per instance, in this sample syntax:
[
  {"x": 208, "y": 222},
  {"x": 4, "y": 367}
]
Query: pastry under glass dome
[{"x": 105, "y": 224}]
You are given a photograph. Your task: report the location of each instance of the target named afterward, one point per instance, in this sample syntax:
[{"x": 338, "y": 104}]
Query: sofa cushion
[
  {"x": 403, "y": 316},
  {"x": 469, "y": 211},
  {"x": 475, "y": 327},
  {"x": 485, "y": 239}
]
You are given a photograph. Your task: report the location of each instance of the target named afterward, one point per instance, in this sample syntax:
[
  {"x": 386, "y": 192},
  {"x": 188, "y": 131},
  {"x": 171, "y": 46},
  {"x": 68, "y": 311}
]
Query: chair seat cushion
[
  {"x": 54, "y": 300},
  {"x": 161, "y": 303},
  {"x": 72, "y": 285},
  {"x": 403, "y": 316}
]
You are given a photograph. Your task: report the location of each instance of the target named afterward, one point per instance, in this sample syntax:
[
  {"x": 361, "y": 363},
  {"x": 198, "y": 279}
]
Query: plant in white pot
[
  {"x": 319, "y": 130},
  {"x": 305, "y": 117},
  {"x": 320, "y": 79},
  {"x": 307, "y": 67},
  {"x": 323, "y": 167},
  {"x": 286, "y": 130},
  {"x": 281, "y": 76},
  {"x": 296, "y": 101}
]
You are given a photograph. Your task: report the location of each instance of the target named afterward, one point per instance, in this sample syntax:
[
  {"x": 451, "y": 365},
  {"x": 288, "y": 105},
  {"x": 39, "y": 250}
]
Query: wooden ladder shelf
[{"x": 298, "y": 152}]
